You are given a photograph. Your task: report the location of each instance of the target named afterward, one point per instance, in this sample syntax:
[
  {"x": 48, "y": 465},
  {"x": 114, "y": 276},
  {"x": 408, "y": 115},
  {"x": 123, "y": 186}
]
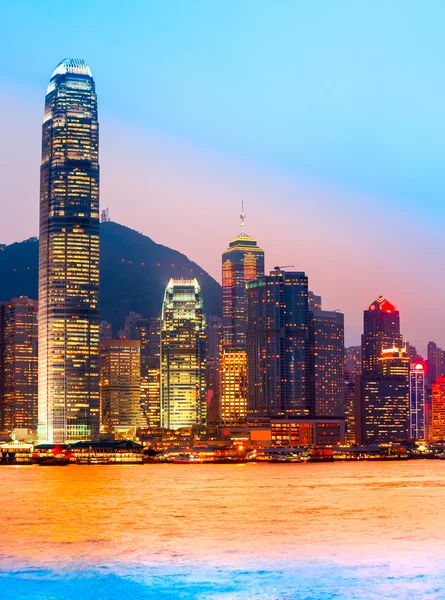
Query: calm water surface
[{"x": 224, "y": 532}]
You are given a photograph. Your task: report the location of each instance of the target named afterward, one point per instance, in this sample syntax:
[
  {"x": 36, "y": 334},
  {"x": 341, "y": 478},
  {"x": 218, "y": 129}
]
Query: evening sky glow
[{"x": 325, "y": 118}]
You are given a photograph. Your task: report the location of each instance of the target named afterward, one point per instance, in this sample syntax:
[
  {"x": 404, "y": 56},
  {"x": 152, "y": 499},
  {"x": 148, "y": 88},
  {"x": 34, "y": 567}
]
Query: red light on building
[{"x": 419, "y": 367}]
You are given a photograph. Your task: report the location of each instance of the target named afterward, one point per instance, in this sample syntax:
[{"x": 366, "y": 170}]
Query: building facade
[
  {"x": 243, "y": 261},
  {"x": 151, "y": 391},
  {"x": 278, "y": 353},
  {"x": 183, "y": 356},
  {"x": 417, "y": 401},
  {"x": 438, "y": 410},
  {"x": 327, "y": 335},
  {"x": 233, "y": 381},
  {"x": 69, "y": 258},
  {"x": 18, "y": 364},
  {"x": 120, "y": 385}
]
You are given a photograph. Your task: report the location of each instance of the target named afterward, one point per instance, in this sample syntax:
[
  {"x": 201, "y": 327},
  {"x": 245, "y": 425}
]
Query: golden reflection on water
[{"x": 223, "y": 513}]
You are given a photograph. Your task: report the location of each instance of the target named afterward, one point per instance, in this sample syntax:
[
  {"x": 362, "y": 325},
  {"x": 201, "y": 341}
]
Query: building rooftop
[{"x": 72, "y": 65}]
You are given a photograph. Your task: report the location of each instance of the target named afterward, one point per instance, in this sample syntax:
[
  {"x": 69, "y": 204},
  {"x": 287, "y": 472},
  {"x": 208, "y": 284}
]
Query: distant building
[
  {"x": 436, "y": 362},
  {"x": 120, "y": 384},
  {"x": 18, "y": 364},
  {"x": 438, "y": 410},
  {"x": 105, "y": 331},
  {"x": 327, "y": 360},
  {"x": 233, "y": 380},
  {"x": 278, "y": 356},
  {"x": 243, "y": 261},
  {"x": 314, "y": 301},
  {"x": 151, "y": 391},
  {"x": 350, "y": 392},
  {"x": 183, "y": 356},
  {"x": 353, "y": 360},
  {"x": 214, "y": 346}
]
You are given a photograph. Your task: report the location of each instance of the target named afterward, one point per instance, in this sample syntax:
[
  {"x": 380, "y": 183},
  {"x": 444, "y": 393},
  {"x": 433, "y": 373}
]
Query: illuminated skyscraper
[
  {"x": 151, "y": 391},
  {"x": 120, "y": 384},
  {"x": 233, "y": 398},
  {"x": 69, "y": 258},
  {"x": 381, "y": 329},
  {"x": 438, "y": 410},
  {"x": 18, "y": 364},
  {"x": 243, "y": 261},
  {"x": 327, "y": 334},
  {"x": 417, "y": 401},
  {"x": 183, "y": 356},
  {"x": 278, "y": 365},
  {"x": 386, "y": 399}
]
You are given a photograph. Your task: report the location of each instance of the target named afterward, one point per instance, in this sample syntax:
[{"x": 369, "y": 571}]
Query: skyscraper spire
[{"x": 242, "y": 217}]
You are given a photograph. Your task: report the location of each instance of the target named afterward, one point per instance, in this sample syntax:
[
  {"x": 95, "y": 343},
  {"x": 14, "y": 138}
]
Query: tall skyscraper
[
  {"x": 278, "y": 345},
  {"x": 120, "y": 384},
  {"x": 327, "y": 334},
  {"x": 436, "y": 362},
  {"x": 18, "y": 364},
  {"x": 381, "y": 329},
  {"x": 183, "y": 356},
  {"x": 386, "y": 399},
  {"x": 214, "y": 333},
  {"x": 69, "y": 258},
  {"x": 243, "y": 261},
  {"x": 151, "y": 391},
  {"x": 417, "y": 401},
  {"x": 233, "y": 398}
]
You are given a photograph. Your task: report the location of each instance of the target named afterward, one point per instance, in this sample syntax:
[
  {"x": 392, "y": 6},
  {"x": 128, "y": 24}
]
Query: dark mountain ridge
[{"x": 134, "y": 271}]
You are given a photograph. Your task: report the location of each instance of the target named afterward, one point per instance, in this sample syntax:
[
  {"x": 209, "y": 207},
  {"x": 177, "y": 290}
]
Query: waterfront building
[
  {"x": 233, "y": 378},
  {"x": 68, "y": 388},
  {"x": 183, "y": 356},
  {"x": 438, "y": 410},
  {"x": 278, "y": 345},
  {"x": 294, "y": 433},
  {"x": 242, "y": 262},
  {"x": 350, "y": 408},
  {"x": 151, "y": 391},
  {"x": 417, "y": 401},
  {"x": 327, "y": 360},
  {"x": 120, "y": 384},
  {"x": 18, "y": 364}
]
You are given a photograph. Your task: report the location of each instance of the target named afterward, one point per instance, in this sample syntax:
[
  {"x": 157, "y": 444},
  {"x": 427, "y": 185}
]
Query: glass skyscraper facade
[
  {"x": 69, "y": 258},
  {"x": 417, "y": 401},
  {"x": 278, "y": 365},
  {"x": 183, "y": 356},
  {"x": 243, "y": 261}
]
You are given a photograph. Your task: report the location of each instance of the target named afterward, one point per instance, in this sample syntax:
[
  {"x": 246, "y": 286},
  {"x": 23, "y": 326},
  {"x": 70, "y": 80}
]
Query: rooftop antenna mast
[{"x": 242, "y": 217}]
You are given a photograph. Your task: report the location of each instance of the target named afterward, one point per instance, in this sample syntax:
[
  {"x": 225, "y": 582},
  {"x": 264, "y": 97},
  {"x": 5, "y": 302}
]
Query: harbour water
[{"x": 223, "y": 532}]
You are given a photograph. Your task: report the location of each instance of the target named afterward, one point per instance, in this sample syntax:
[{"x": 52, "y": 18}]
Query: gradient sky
[{"x": 325, "y": 117}]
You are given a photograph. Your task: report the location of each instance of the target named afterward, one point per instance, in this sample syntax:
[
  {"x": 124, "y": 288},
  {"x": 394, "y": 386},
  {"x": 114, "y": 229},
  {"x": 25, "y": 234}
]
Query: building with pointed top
[
  {"x": 242, "y": 262},
  {"x": 68, "y": 387}
]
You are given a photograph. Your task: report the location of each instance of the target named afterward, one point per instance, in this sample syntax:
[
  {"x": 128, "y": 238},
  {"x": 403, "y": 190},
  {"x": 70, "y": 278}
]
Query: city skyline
[{"x": 184, "y": 160}]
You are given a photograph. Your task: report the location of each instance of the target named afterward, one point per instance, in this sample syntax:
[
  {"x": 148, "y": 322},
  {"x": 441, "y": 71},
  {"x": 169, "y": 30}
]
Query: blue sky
[{"x": 344, "y": 95}]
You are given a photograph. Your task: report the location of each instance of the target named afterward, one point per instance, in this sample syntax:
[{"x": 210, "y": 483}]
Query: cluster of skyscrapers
[{"x": 276, "y": 356}]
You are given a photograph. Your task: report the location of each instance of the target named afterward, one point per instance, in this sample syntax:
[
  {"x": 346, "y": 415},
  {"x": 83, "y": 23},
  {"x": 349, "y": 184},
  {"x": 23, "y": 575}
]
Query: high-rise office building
[
  {"x": 69, "y": 258},
  {"x": 151, "y": 391},
  {"x": 233, "y": 396},
  {"x": 278, "y": 345},
  {"x": 214, "y": 334},
  {"x": 18, "y": 364},
  {"x": 436, "y": 362},
  {"x": 183, "y": 356},
  {"x": 381, "y": 329},
  {"x": 120, "y": 384},
  {"x": 105, "y": 331},
  {"x": 243, "y": 261},
  {"x": 350, "y": 408},
  {"x": 327, "y": 363},
  {"x": 353, "y": 360},
  {"x": 438, "y": 410},
  {"x": 417, "y": 401},
  {"x": 386, "y": 399}
]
